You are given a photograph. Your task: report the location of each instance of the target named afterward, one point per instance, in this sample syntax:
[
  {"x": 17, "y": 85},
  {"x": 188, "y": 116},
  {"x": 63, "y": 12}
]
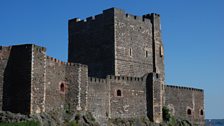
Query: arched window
[
  {"x": 201, "y": 112},
  {"x": 118, "y": 92},
  {"x": 62, "y": 87},
  {"x": 189, "y": 112}
]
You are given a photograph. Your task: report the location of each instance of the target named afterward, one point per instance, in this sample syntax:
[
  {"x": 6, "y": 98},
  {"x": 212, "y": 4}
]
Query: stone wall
[
  {"x": 133, "y": 44},
  {"x": 124, "y": 50},
  {"x": 158, "y": 50},
  {"x": 116, "y": 43},
  {"x": 91, "y": 42},
  {"x": 66, "y": 86},
  {"x": 4, "y": 56},
  {"x": 127, "y": 97},
  {"x": 185, "y": 102},
  {"x": 38, "y": 79},
  {"x": 154, "y": 89},
  {"x": 76, "y": 78},
  {"x": 117, "y": 97},
  {"x": 98, "y": 98},
  {"x": 55, "y": 85},
  {"x": 17, "y": 78}
]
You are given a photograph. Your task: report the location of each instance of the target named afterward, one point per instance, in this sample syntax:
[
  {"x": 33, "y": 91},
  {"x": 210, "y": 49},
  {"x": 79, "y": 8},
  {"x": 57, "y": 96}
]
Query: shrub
[{"x": 166, "y": 114}]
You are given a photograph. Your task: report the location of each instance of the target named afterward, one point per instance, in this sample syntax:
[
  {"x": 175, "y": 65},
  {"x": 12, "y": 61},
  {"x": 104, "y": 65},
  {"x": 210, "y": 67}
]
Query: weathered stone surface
[
  {"x": 123, "y": 75},
  {"x": 38, "y": 79},
  {"x": 180, "y": 100},
  {"x": 16, "y": 66},
  {"x": 92, "y": 43}
]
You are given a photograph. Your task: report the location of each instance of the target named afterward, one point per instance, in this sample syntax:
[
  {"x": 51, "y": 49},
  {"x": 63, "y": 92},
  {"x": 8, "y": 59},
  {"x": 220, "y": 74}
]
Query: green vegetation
[
  {"x": 23, "y": 123},
  {"x": 166, "y": 114},
  {"x": 172, "y": 121},
  {"x": 73, "y": 123}
]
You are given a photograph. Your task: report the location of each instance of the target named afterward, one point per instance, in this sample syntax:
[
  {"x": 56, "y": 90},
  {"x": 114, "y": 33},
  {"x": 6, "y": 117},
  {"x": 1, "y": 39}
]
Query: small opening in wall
[
  {"x": 146, "y": 54},
  {"x": 62, "y": 87},
  {"x": 201, "y": 112},
  {"x": 126, "y": 15},
  {"x": 189, "y": 112},
  {"x": 157, "y": 75},
  {"x": 118, "y": 92},
  {"x": 130, "y": 52},
  {"x": 161, "y": 51}
]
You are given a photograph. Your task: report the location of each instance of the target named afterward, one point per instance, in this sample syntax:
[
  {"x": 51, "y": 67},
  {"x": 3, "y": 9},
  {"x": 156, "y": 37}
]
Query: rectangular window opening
[
  {"x": 130, "y": 52},
  {"x": 146, "y": 54}
]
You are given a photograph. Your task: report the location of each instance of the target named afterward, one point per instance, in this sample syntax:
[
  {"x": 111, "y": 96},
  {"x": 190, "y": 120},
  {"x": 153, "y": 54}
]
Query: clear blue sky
[{"x": 192, "y": 32}]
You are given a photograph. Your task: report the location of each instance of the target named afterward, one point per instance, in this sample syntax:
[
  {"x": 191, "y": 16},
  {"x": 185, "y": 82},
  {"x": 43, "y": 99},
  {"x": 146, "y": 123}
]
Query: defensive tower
[{"x": 117, "y": 43}]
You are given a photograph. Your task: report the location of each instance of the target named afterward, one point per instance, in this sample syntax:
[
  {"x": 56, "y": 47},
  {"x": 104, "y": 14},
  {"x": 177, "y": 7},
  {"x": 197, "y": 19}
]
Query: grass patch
[
  {"x": 23, "y": 123},
  {"x": 73, "y": 123}
]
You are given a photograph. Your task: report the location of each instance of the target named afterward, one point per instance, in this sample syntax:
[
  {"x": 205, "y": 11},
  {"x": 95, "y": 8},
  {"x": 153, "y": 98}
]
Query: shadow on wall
[
  {"x": 17, "y": 80},
  {"x": 149, "y": 96}
]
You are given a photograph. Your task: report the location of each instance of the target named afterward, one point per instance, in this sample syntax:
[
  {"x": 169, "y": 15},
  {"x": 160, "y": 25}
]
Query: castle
[{"x": 115, "y": 69}]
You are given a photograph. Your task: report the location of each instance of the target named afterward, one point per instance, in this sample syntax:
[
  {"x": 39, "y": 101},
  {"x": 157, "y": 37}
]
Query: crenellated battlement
[
  {"x": 116, "y": 78},
  {"x": 143, "y": 18},
  {"x": 89, "y": 19},
  {"x": 39, "y": 48},
  {"x": 76, "y": 64},
  {"x": 55, "y": 60},
  {"x": 5, "y": 48},
  {"x": 96, "y": 80},
  {"x": 116, "y": 12},
  {"x": 184, "y": 88},
  {"x": 125, "y": 78},
  {"x": 65, "y": 63}
]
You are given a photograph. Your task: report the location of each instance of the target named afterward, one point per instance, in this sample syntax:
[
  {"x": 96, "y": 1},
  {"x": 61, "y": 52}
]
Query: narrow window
[
  {"x": 157, "y": 75},
  {"x": 188, "y": 111},
  {"x": 127, "y": 15},
  {"x": 146, "y": 54},
  {"x": 62, "y": 88},
  {"x": 130, "y": 52},
  {"x": 118, "y": 92},
  {"x": 201, "y": 112},
  {"x": 161, "y": 51}
]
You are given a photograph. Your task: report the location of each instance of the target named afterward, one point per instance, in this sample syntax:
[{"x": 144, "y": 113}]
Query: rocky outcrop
[
  {"x": 82, "y": 119},
  {"x": 52, "y": 119}
]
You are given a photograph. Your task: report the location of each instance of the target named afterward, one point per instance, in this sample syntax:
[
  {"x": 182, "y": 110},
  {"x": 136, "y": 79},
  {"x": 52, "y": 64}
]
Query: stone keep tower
[
  {"x": 120, "y": 44},
  {"x": 116, "y": 43}
]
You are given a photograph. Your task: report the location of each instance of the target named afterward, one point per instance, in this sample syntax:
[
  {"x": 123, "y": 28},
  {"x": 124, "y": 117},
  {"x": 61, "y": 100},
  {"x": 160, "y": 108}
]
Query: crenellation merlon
[{"x": 90, "y": 18}]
